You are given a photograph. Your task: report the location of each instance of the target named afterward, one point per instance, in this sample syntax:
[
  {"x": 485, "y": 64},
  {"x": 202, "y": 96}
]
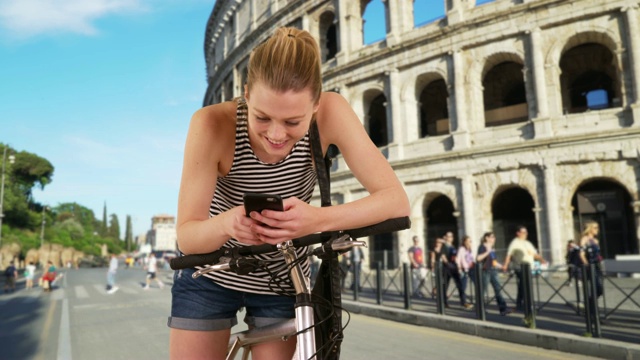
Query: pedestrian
[
  {"x": 465, "y": 261},
  {"x": 262, "y": 143},
  {"x": 29, "y": 274},
  {"x": 416, "y": 260},
  {"x": 488, "y": 261},
  {"x": 452, "y": 271},
  {"x": 590, "y": 252},
  {"x": 574, "y": 261},
  {"x": 49, "y": 276},
  {"x": 152, "y": 272},
  {"x": 435, "y": 257},
  {"x": 521, "y": 251},
  {"x": 10, "y": 277},
  {"x": 111, "y": 274}
]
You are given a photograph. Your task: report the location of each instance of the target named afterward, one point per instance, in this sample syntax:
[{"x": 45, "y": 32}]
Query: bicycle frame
[{"x": 302, "y": 325}]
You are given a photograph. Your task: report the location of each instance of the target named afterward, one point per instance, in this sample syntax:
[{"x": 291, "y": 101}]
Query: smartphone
[{"x": 258, "y": 202}]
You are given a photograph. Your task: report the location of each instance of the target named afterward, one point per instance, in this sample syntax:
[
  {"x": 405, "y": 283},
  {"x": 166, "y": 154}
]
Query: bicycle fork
[{"x": 304, "y": 321}]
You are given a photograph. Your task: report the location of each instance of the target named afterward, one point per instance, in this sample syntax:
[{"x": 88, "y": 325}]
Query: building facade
[
  {"x": 163, "y": 235},
  {"x": 506, "y": 113}
]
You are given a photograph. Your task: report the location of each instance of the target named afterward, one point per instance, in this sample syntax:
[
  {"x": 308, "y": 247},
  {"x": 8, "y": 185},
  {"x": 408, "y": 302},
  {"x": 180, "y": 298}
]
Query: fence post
[
  {"x": 587, "y": 302},
  {"x": 593, "y": 301},
  {"x": 440, "y": 293},
  {"x": 480, "y": 312},
  {"x": 527, "y": 287},
  {"x": 379, "y": 282},
  {"x": 356, "y": 282},
  {"x": 577, "y": 284},
  {"x": 406, "y": 276}
]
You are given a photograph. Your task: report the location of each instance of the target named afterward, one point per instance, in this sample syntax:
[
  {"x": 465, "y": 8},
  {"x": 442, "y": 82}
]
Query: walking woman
[{"x": 590, "y": 251}]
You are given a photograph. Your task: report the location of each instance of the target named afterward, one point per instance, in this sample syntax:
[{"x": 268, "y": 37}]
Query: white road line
[
  {"x": 100, "y": 288},
  {"x": 81, "y": 292},
  {"x": 64, "y": 339}
]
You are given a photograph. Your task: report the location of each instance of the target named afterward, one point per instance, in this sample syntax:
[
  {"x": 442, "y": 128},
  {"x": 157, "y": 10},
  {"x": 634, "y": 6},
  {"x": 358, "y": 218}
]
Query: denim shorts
[{"x": 202, "y": 305}]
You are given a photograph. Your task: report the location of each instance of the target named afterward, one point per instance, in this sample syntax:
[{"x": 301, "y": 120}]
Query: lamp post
[
  {"x": 4, "y": 160},
  {"x": 44, "y": 208}
]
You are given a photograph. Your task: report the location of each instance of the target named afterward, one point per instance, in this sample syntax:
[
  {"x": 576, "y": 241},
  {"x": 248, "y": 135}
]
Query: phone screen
[{"x": 258, "y": 202}]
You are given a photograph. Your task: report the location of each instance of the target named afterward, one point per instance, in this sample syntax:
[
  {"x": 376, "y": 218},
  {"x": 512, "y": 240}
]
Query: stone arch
[
  {"x": 438, "y": 214},
  {"x": 328, "y": 35},
  {"x": 606, "y": 201},
  {"x": 376, "y": 121},
  {"x": 432, "y": 97},
  {"x": 504, "y": 91},
  {"x": 512, "y": 206}
]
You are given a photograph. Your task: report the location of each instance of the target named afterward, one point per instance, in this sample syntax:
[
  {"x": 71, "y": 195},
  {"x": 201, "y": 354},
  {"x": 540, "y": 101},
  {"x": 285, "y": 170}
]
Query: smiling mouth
[{"x": 276, "y": 143}]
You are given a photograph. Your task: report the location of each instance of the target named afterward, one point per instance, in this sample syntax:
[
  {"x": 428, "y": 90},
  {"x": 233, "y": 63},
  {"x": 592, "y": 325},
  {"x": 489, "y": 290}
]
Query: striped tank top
[{"x": 292, "y": 176}]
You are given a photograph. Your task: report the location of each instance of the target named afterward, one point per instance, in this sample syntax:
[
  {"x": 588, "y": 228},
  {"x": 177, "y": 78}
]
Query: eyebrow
[{"x": 297, "y": 117}]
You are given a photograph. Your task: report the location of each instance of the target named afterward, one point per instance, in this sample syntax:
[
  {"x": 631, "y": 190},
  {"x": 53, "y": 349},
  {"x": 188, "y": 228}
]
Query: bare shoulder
[
  {"x": 336, "y": 118},
  {"x": 215, "y": 118}
]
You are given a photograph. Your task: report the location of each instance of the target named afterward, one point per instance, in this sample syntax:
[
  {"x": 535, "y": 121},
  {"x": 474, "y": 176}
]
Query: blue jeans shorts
[{"x": 202, "y": 305}]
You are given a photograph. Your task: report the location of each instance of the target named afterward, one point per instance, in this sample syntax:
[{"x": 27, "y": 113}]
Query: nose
[{"x": 276, "y": 131}]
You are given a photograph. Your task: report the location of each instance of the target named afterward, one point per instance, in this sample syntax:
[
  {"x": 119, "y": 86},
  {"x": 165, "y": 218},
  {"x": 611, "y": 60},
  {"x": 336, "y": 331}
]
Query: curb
[{"x": 603, "y": 348}]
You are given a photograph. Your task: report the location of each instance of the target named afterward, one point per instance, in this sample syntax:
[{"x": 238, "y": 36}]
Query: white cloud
[{"x": 27, "y": 18}]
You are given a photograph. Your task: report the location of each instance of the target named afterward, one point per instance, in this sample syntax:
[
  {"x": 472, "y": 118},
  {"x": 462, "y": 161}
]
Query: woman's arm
[
  {"x": 339, "y": 125},
  {"x": 209, "y": 149}
]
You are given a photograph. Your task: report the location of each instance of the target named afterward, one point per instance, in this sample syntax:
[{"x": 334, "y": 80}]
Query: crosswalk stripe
[{"x": 81, "y": 292}]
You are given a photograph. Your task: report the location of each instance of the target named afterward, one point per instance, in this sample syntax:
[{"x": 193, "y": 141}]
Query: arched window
[
  {"x": 588, "y": 79},
  {"x": 373, "y": 19},
  {"x": 434, "y": 110},
  {"x": 377, "y": 121},
  {"x": 505, "y": 99}
]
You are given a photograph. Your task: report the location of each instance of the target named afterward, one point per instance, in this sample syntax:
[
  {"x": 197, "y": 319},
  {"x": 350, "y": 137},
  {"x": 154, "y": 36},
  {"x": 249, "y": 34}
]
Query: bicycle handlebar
[{"x": 189, "y": 261}]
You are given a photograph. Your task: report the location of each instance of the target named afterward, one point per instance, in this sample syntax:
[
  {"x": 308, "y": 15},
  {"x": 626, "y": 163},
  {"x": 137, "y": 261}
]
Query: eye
[
  {"x": 292, "y": 123},
  {"x": 262, "y": 118}
]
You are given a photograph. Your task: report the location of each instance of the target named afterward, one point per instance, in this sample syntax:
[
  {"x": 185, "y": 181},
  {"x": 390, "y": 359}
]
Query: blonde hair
[
  {"x": 288, "y": 60},
  {"x": 588, "y": 227}
]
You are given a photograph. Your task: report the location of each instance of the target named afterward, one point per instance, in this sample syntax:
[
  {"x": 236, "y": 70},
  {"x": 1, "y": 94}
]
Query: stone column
[
  {"x": 551, "y": 198},
  {"x": 633, "y": 29},
  {"x": 539, "y": 74},
  {"x": 636, "y": 213},
  {"x": 349, "y": 30},
  {"x": 468, "y": 209},
  {"x": 397, "y": 130},
  {"x": 400, "y": 19},
  {"x": 460, "y": 131}
]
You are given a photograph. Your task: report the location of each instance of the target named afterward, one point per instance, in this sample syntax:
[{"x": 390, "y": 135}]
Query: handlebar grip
[
  {"x": 190, "y": 261},
  {"x": 386, "y": 226}
]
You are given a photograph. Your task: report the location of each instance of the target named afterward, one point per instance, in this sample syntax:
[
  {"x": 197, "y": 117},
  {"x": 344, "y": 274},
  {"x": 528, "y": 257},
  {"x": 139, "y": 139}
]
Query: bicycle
[{"x": 311, "y": 342}]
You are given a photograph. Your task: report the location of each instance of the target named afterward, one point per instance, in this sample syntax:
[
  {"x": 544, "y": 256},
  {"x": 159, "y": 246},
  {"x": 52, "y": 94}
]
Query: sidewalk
[{"x": 559, "y": 326}]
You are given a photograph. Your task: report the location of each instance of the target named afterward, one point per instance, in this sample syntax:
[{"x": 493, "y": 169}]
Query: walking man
[
  {"x": 152, "y": 269},
  {"x": 521, "y": 251},
  {"x": 111, "y": 275},
  {"x": 416, "y": 257}
]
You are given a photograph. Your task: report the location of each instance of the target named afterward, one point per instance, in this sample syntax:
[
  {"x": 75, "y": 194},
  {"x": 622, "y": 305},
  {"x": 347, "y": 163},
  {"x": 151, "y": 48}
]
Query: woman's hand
[
  {"x": 298, "y": 219},
  {"x": 239, "y": 226}
]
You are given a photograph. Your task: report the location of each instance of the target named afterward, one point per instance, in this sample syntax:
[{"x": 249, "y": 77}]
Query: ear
[{"x": 246, "y": 92}]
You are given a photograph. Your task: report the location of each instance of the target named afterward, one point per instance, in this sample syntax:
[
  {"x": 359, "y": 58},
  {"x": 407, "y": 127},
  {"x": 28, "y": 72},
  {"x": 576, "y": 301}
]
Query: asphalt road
[{"x": 79, "y": 320}]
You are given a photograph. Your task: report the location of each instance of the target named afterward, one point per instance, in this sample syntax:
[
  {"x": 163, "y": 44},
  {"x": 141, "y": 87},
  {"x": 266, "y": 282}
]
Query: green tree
[{"x": 114, "y": 227}]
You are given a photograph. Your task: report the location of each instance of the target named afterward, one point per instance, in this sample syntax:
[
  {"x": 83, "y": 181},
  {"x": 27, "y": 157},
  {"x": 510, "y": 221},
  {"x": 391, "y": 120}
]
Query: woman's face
[{"x": 277, "y": 120}]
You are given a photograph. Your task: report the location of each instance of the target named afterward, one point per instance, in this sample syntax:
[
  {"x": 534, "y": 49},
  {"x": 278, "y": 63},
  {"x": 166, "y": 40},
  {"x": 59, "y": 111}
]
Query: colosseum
[{"x": 494, "y": 114}]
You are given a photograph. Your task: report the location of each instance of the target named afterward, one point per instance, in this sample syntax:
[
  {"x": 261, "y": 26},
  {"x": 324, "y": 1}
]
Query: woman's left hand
[{"x": 298, "y": 219}]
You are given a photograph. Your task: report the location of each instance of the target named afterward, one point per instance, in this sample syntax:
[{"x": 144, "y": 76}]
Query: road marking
[
  {"x": 45, "y": 331},
  {"x": 81, "y": 292},
  {"x": 64, "y": 339},
  {"x": 100, "y": 289}
]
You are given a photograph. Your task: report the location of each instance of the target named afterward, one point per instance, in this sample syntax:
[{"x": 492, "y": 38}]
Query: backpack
[{"x": 9, "y": 271}]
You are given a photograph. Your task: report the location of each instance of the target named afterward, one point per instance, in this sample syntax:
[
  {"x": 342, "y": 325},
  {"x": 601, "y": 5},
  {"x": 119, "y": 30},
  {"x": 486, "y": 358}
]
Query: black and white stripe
[{"x": 293, "y": 176}]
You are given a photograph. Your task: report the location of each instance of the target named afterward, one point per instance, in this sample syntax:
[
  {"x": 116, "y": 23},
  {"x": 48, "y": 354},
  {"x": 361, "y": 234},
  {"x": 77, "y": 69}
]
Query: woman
[
  {"x": 465, "y": 261},
  {"x": 49, "y": 276},
  {"x": 488, "y": 260},
  {"x": 29, "y": 273},
  {"x": 261, "y": 144},
  {"x": 590, "y": 251}
]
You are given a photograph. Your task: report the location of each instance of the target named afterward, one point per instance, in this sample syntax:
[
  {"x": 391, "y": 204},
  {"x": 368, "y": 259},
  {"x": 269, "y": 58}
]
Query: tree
[
  {"x": 128, "y": 234},
  {"x": 114, "y": 227}
]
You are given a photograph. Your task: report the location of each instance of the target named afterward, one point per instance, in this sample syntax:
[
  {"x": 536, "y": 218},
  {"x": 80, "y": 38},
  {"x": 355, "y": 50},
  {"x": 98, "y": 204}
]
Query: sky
[{"x": 105, "y": 89}]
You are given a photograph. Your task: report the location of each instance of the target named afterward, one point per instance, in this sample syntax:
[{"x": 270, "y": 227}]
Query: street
[{"x": 79, "y": 320}]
